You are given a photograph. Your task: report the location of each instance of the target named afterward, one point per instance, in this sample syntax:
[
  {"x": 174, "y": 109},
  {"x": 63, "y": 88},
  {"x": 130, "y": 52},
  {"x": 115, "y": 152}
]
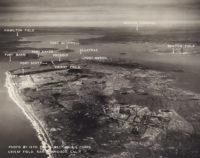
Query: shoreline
[{"x": 29, "y": 113}]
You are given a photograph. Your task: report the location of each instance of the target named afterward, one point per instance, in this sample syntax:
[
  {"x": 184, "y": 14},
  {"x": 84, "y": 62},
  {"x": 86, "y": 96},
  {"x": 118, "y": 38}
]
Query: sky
[{"x": 96, "y": 12}]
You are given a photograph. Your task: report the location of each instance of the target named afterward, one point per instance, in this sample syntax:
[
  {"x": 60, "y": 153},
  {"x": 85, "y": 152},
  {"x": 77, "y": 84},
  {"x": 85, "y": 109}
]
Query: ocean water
[{"x": 15, "y": 128}]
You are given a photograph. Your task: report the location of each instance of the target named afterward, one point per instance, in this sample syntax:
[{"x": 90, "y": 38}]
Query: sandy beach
[{"x": 27, "y": 110}]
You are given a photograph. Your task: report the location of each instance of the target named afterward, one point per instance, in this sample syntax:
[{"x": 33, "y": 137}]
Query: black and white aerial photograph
[{"x": 99, "y": 79}]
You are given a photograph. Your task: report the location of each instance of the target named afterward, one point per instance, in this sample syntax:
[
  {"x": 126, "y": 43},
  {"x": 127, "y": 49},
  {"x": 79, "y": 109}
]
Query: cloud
[
  {"x": 69, "y": 12},
  {"x": 70, "y": 3}
]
